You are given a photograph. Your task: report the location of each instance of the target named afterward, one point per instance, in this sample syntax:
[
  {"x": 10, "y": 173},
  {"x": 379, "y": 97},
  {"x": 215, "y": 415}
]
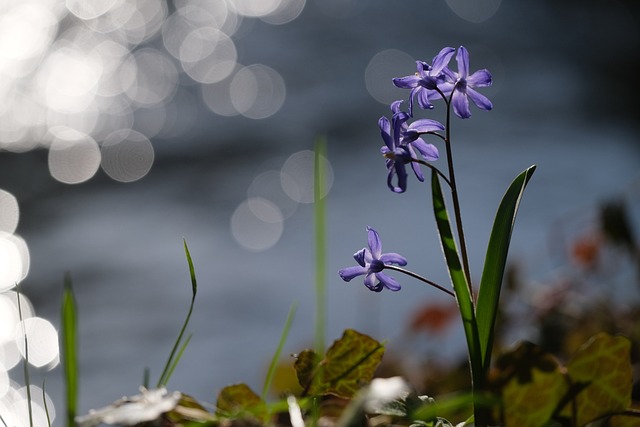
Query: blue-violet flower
[
  {"x": 462, "y": 84},
  {"x": 401, "y": 143},
  {"x": 426, "y": 79},
  {"x": 371, "y": 261}
]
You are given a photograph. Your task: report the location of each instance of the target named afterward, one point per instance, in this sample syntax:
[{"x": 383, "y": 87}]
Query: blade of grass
[
  {"x": 69, "y": 346},
  {"x": 276, "y": 355},
  {"x": 146, "y": 377},
  {"x": 44, "y": 402},
  {"x": 319, "y": 205},
  {"x": 25, "y": 364},
  {"x": 178, "y": 356},
  {"x": 495, "y": 262},
  {"x": 164, "y": 377},
  {"x": 458, "y": 279}
]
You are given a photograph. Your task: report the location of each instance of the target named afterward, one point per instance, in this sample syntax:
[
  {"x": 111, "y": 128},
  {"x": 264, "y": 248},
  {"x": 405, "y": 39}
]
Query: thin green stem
[
  {"x": 27, "y": 380},
  {"x": 454, "y": 193},
  {"x": 435, "y": 169},
  {"x": 419, "y": 277}
]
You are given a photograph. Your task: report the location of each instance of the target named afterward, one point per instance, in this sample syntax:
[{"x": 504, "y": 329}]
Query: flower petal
[
  {"x": 360, "y": 257},
  {"x": 374, "y": 243},
  {"x": 461, "y": 104},
  {"x": 463, "y": 62},
  {"x": 385, "y": 131},
  {"x": 415, "y": 166},
  {"x": 426, "y": 125},
  {"x": 351, "y": 272},
  {"x": 423, "y": 98},
  {"x": 441, "y": 60},
  {"x": 479, "y": 99},
  {"x": 395, "y": 106},
  {"x": 406, "y": 82},
  {"x": 397, "y": 168},
  {"x": 371, "y": 282},
  {"x": 481, "y": 78},
  {"x": 428, "y": 151},
  {"x": 388, "y": 282},
  {"x": 393, "y": 258}
]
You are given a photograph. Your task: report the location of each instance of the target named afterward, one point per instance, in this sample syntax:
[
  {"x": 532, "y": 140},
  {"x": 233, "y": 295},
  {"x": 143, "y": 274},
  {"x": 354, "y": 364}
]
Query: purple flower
[
  {"x": 371, "y": 262},
  {"x": 426, "y": 79},
  {"x": 462, "y": 84},
  {"x": 402, "y": 142}
]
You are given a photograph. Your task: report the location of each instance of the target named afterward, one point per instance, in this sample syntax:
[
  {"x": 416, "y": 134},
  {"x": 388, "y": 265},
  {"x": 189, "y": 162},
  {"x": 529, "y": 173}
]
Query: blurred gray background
[{"x": 128, "y": 128}]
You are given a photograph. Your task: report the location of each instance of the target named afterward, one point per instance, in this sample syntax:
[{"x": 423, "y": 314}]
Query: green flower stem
[
  {"x": 454, "y": 193},
  {"x": 422, "y": 279},
  {"x": 435, "y": 169}
]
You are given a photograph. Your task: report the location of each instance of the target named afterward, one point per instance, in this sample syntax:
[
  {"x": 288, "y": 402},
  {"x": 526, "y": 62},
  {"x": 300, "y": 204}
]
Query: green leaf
[
  {"x": 239, "y": 400},
  {"x": 603, "y": 367},
  {"x": 531, "y": 384},
  {"x": 494, "y": 264},
  {"x": 349, "y": 364},
  {"x": 70, "y": 345},
  {"x": 460, "y": 285}
]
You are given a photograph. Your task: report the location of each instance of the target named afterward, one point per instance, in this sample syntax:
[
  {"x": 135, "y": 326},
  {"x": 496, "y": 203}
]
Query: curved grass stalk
[
  {"x": 278, "y": 352},
  {"x": 173, "y": 360}
]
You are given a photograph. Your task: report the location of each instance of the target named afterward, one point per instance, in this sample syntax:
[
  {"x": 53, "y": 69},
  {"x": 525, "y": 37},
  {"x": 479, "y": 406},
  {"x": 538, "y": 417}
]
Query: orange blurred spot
[
  {"x": 433, "y": 317},
  {"x": 585, "y": 250}
]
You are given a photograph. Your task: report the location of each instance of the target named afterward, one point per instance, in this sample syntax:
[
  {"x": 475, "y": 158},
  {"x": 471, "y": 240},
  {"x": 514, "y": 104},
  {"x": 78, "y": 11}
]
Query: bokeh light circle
[
  {"x": 475, "y": 11},
  {"x": 297, "y": 176},
  {"x": 287, "y": 11},
  {"x": 42, "y": 339},
  {"x": 257, "y": 91},
  {"x": 87, "y": 10},
  {"x": 9, "y": 318},
  {"x": 29, "y": 409},
  {"x": 74, "y": 157},
  {"x": 127, "y": 155},
  {"x": 255, "y": 8},
  {"x": 384, "y": 66},
  {"x": 250, "y": 230},
  {"x": 156, "y": 78},
  {"x": 267, "y": 185},
  {"x": 14, "y": 260},
  {"x": 208, "y": 55},
  {"x": 9, "y": 212}
]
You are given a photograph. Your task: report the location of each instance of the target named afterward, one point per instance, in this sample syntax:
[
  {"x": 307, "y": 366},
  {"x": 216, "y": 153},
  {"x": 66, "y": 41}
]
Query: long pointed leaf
[
  {"x": 494, "y": 263},
  {"x": 70, "y": 346},
  {"x": 460, "y": 287}
]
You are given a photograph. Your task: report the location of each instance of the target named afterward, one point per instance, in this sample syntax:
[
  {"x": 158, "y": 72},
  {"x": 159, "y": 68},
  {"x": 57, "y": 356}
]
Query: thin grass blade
[
  {"x": 178, "y": 356},
  {"x": 44, "y": 402},
  {"x": 319, "y": 207},
  {"x": 169, "y": 365},
  {"x": 460, "y": 287},
  {"x": 495, "y": 262},
  {"x": 276, "y": 355},
  {"x": 25, "y": 364},
  {"x": 70, "y": 346}
]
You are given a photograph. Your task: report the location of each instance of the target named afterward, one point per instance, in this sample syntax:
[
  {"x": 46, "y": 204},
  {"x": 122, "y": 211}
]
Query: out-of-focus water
[{"x": 554, "y": 67}]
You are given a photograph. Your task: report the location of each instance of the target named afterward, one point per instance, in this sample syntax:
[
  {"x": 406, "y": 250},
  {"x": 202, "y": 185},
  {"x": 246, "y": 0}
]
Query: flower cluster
[
  {"x": 430, "y": 82},
  {"x": 404, "y": 143}
]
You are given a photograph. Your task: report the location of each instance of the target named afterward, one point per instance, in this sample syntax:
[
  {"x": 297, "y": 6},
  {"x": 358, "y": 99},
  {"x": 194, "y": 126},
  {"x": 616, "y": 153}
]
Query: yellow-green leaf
[
  {"x": 603, "y": 367},
  {"x": 532, "y": 385},
  {"x": 349, "y": 364},
  {"x": 238, "y": 399}
]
